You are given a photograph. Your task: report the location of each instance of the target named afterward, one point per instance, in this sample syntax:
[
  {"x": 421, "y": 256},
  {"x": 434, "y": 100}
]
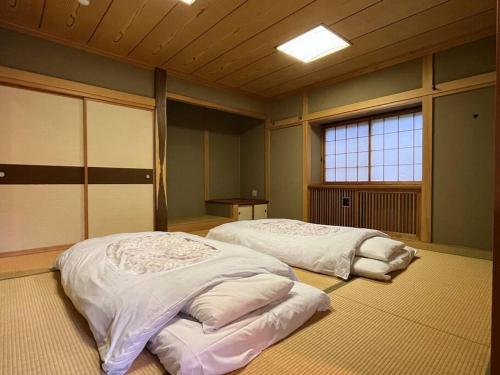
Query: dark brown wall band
[{"x": 16, "y": 174}]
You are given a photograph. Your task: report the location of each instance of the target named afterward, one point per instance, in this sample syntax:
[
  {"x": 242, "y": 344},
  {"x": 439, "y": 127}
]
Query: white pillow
[
  {"x": 377, "y": 269},
  {"x": 233, "y": 299},
  {"x": 381, "y": 248}
]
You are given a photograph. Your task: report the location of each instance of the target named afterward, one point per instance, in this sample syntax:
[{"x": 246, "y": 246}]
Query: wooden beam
[
  {"x": 306, "y": 157},
  {"x": 42, "y": 82},
  {"x": 214, "y": 105},
  {"x": 495, "y": 329},
  {"x": 206, "y": 163},
  {"x": 267, "y": 158},
  {"x": 426, "y": 205},
  {"x": 85, "y": 173},
  {"x": 161, "y": 210},
  {"x": 465, "y": 84},
  {"x": 364, "y": 107}
]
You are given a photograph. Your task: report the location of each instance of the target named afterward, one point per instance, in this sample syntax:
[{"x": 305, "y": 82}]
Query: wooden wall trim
[
  {"x": 161, "y": 209},
  {"x": 306, "y": 158},
  {"x": 213, "y": 105},
  {"x": 428, "y": 119},
  {"x": 495, "y": 329},
  {"x": 267, "y": 160},
  {"x": 464, "y": 84},
  {"x": 85, "y": 173},
  {"x": 426, "y": 207},
  {"x": 206, "y": 163},
  {"x": 47, "y": 249},
  {"x": 41, "y": 82},
  {"x": 373, "y": 186},
  {"x": 387, "y": 102}
]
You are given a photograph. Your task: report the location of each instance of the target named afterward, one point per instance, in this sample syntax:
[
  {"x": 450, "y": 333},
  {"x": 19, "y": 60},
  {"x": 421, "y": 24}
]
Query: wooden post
[
  {"x": 161, "y": 210},
  {"x": 495, "y": 328}
]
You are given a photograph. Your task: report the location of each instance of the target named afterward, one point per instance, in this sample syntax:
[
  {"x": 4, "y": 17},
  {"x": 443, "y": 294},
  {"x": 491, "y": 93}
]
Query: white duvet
[
  {"x": 129, "y": 286},
  {"x": 320, "y": 248},
  {"x": 183, "y": 347}
]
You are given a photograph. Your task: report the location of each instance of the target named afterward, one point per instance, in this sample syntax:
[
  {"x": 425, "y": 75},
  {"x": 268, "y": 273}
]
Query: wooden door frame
[{"x": 495, "y": 328}]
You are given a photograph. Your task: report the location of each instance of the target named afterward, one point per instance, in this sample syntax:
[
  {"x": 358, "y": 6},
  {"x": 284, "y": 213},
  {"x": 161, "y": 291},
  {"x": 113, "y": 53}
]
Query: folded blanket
[
  {"x": 319, "y": 248},
  {"x": 381, "y": 248},
  {"x": 129, "y": 286},
  {"x": 379, "y": 270},
  {"x": 230, "y": 300}
]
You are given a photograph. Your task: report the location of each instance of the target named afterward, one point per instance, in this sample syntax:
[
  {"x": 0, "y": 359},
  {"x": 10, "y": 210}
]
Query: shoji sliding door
[
  {"x": 120, "y": 149},
  {"x": 41, "y": 165}
]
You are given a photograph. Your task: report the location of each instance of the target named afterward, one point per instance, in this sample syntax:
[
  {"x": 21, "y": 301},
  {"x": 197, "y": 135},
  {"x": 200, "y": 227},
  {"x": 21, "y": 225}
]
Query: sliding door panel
[
  {"x": 120, "y": 209},
  {"x": 120, "y": 151},
  {"x": 40, "y": 129},
  {"x": 41, "y": 170},
  {"x": 37, "y": 216}
]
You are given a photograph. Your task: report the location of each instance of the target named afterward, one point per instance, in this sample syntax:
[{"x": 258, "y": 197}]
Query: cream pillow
[
  {"x": 233, "y": 299},
  {"x": 381, "y": 248}
]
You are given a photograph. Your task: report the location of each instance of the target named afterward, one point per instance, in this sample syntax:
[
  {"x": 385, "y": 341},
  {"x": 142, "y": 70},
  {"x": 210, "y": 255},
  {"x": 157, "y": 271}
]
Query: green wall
[
  {"x": 286, "y": 107},
  {"x": 224, "y": 164},
  {"x": 466, "y": 60},
  {"x": 236, "y": 157},
  {"x": 397, "y": 78},
  {"x": 463, "y": 175},
  {"x": 185, "y": 187},
  {"x": 316, "y": 147},
  {"x": 26, "y": 52},
  {"x": 252, "y": 160},
  {"x": 286, "y": 173}
]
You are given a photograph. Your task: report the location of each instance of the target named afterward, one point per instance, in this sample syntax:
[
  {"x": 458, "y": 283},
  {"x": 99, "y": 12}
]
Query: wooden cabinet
[
  {"x": 245, "y": 212},
  {"x": 260, "y": 211},
  {"x": 238, "y": 209}
]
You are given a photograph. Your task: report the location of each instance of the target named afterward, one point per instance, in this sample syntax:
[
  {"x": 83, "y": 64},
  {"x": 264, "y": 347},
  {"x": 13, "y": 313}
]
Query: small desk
[{"x": 238, "y": 208}]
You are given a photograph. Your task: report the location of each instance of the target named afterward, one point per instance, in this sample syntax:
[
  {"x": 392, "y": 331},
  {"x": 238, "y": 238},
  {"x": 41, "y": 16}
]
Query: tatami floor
[{"x": 433, "y": 318}]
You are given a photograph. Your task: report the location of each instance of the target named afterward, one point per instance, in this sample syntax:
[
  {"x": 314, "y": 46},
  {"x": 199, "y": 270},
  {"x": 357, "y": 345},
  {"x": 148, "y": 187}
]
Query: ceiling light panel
[{"x": 314, "y": 44}]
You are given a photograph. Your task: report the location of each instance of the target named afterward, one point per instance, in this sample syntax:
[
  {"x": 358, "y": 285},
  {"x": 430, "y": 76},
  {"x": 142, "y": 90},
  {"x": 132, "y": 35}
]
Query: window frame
[{"x": 369, "y": 119}]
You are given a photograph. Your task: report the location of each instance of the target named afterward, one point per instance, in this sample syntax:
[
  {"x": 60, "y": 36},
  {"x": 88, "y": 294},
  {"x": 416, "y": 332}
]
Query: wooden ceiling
[{"x": 231, "y": 43}]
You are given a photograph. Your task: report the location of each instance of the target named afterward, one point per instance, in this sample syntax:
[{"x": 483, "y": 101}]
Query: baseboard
[
  {"x": 450, "y": 249},
  {"x": 47, "y": 249}
]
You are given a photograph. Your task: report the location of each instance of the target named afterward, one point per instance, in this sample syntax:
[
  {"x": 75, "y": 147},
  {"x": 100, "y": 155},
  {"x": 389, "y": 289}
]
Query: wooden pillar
[
  {"x": 306, "y": 156},
  {"x": 161, "y": 210},
  {"x": 495, "y": 329}
]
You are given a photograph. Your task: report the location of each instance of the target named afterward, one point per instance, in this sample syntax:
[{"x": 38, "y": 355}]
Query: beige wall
[
  {"x": 463, "y": 175},
  {"x": 286, "y": 173}
]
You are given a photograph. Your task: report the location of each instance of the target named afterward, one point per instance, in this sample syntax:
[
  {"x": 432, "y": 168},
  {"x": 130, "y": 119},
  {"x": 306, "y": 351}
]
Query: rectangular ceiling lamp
[
  {"x": 314, "y": 44},
  {"x": 189, "y": 2}
]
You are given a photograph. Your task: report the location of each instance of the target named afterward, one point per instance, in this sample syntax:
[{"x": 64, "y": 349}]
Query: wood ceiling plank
[
  {"x": 22, "y": 12},
  {"x": 264, "y": 43},
  {"x": 480, "y": 25},
  {"x": 368, "y": 20},
  {"x": 127, "y": 22},
  {"x": 239, "y": 26},
  {"x": 183, "y": 25},
  {"x": 72, "y": 21},
  {"x": 449, "y": 12}
]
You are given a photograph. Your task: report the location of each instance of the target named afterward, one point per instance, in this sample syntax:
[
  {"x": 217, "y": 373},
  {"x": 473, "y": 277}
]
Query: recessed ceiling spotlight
[
  {"x": 84, "y": 2},
  {"x": 314, "y": 44},
  {"x": 189, "y": 2}
]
